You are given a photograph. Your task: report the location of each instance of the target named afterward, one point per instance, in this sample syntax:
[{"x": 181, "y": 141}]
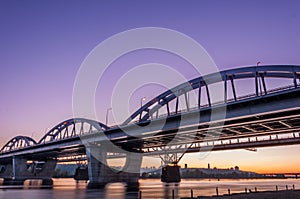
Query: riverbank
[{"x": 256, "y": 195}]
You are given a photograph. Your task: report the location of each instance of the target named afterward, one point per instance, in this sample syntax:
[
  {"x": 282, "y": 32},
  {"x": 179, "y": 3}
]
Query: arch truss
[
  {"x": 18, "y": 142},
  {"x": 203, "y": 89},
  {"x": 72, "y": 128}
]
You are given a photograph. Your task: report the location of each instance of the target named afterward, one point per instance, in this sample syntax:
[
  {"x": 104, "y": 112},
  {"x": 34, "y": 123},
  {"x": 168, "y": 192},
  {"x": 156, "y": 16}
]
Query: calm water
[{"x": 150, "y": 188}]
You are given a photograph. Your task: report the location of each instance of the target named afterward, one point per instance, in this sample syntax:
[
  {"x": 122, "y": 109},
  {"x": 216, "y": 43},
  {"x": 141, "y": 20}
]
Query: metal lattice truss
[
  {"x": 245, "y": 128},
  {"x": 172, "y": 154},
  {"x": 268, "y": 131},
  {"x": 178, "y": 99},
  {"x": 17, "y": 143},
  {"x": 72, "y": 128}
]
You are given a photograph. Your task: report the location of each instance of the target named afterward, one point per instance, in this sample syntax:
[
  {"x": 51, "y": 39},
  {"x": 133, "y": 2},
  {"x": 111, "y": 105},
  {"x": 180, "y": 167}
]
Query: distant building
[{"x": 217, "y": 173}]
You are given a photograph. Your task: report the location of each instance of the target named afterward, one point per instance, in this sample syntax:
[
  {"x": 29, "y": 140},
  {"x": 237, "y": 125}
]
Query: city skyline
[{"x": 44, "y": 44}]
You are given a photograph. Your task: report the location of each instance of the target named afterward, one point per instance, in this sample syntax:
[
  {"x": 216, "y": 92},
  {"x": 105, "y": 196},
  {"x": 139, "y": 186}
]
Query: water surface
[{"x": 150, "y": 188}]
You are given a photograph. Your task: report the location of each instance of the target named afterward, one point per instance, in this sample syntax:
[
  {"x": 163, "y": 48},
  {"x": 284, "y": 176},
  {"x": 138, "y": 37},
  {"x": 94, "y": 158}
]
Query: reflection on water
[{"x": 149, "y": 188}]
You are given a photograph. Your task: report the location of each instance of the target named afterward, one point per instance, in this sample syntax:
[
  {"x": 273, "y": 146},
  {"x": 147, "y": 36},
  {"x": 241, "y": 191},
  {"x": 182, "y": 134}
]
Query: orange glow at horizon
[{"x": 283, "y": 159}]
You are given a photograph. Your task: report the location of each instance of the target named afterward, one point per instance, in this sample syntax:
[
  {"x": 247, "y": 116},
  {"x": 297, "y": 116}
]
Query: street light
[
  {"x": 259, "y": 62},
  {"x": 106, "y": 117},
  {"x": 142, "y": 99}
]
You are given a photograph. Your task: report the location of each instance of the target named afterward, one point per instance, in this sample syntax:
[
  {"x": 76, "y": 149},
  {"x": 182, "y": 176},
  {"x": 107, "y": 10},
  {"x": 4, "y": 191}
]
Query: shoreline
[{"x": 254, "y": 195}]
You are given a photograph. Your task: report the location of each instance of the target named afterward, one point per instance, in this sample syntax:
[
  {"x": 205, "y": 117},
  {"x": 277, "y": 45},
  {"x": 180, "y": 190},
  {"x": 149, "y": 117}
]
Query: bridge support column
[
  {"x": 101, "y": 174},
  {"x": 171, "y": 170},
  {"x": 81, "y": 173},
  {"x": 170, "y": 173},
  {"x": 19, "y": 170}
]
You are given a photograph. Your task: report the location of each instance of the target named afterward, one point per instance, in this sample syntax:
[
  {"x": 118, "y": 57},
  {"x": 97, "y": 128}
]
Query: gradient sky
[{"x": 43, "y": 44}]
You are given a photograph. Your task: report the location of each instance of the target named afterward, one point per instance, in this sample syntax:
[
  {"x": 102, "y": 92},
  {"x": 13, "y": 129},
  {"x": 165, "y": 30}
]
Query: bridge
[{"x": 191, "y": 117}]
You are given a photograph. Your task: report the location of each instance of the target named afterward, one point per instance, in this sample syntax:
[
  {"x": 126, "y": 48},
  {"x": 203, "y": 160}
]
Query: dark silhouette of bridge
[{"x": 190, "y": 117}]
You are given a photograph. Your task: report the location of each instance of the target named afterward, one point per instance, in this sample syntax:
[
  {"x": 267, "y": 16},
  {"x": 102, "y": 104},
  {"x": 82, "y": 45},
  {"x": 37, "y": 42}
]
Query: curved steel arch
[
  {"x": 72, "y": 128},
  {"x": 17, "y": 143},
  {"x": 259, "y": 73}
]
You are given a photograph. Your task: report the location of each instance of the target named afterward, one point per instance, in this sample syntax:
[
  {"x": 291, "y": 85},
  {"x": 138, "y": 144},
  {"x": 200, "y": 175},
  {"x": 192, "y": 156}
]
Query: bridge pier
[
  {"x": 18, "y": 170},
  {"x": 171, "y": 174},
  {"x": 101, "y": 174}
]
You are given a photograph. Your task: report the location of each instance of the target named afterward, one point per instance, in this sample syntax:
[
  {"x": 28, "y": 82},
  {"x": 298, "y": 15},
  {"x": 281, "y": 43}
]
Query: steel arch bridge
[
  {"x": 202, "y": 88},
  {"x": 17, "y": 143},
  {"x": 72, "y": 128},
  {"x": 263, "y": 117},
  {"x": 64, "y": 130},
  {"x": 226, "y": 81}
]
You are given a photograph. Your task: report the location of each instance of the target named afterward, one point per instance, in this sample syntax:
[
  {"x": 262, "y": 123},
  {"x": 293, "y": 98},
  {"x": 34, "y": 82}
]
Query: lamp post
[
  {"x": 258, "y": 63},
  {"x": 106, "y": 117},
  {"x": 142, "y": 99}
]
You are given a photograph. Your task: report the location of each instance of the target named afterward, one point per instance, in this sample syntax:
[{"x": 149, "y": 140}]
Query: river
[{"x": 150, "y": 188}]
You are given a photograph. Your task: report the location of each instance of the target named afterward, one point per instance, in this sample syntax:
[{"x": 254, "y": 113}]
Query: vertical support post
[
  {"x": 177, "y": 102},
  {"x": 264, "y": 84},
  {"x": 256, "y": 83},
  {"x": 233, "y": 89},
  {"x": 199, "y": 96},
  {"x": 225, "y": 89},
  {"x": 192, "y": 194},
  {"x": 186, "y": 101},
  {"x": 217, "y": 191},
  {"x": 168, "y": 108},
  {"x": 208, "y": 95}
]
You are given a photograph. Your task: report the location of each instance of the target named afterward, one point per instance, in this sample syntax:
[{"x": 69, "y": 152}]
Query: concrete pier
[
  {"x": 101, "y": 174},
  {"x": 171, "y": 174},
  {"x": 16, "y": 171}
]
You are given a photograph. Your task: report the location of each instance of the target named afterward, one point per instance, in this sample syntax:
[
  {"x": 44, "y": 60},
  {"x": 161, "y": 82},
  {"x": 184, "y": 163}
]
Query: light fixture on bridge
[
  {"x": 259, "y": 62},
  {"x": 106, "y": 116},
  {"x": 142, "y": 99}
]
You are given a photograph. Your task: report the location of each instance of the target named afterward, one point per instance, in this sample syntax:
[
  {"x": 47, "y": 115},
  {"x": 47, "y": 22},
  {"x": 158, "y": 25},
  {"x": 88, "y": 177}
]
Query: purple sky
[{"x": 43, "y": 44}]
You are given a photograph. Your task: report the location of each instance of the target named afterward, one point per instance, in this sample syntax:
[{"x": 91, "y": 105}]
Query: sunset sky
[{"x": 43, "y": 44}]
